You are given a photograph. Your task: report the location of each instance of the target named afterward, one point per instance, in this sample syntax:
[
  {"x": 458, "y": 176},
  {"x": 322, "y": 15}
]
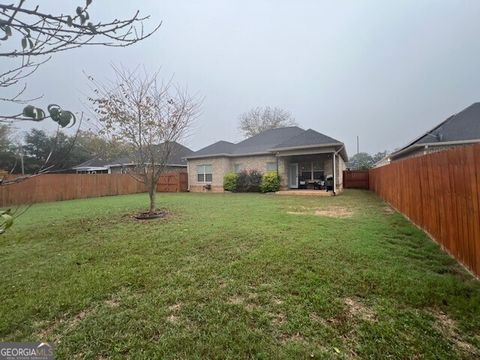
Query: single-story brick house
[
  {"x": 459, "y": 129},
  {"x": 301, "y": 157},
  {"x": 122, "y": 164}
]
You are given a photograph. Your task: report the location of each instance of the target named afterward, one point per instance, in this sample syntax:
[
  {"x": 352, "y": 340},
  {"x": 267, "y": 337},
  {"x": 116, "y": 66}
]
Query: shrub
[
  {"x": 230, "y": 182},
  {"x": 249, "y": 181},
  {"x": 270, "y": 182},
  {"x": 255, "y": 180}
]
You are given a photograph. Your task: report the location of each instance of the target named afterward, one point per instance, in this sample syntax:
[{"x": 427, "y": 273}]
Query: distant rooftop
[
  {"x": 179, "y": 153},
  {"x": 463, "y": 126}
]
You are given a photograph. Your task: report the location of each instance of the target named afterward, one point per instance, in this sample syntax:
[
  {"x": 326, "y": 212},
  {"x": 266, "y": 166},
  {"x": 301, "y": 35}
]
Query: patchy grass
[{"x": 234, "y": 276}]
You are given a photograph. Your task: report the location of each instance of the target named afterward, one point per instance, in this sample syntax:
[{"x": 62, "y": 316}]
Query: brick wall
[
  {"x": 220, "y": 166},
  {"x": 224, "y": 165}
]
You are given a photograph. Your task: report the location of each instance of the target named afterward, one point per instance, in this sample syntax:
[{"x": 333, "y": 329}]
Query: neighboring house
[
  {"x": 123, "y": 164},
  {"x": 301, "y": 157},
  {"x": 383, "y": 161},
  {"x": 459, "y": 129}
]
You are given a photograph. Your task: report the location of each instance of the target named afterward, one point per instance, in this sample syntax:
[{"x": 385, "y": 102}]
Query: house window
[
  {"x": 204, "y": 173},
  {"x": 317, "y": 169},
  {"x": 271, "y": 166},
  {"x": 318, "y": 175},
  {"x": 311, "y": 170},
  {"x": 238, "y": 168},
  {"x": 305, "y": 171},
  {"x": 306, "y": 175}
]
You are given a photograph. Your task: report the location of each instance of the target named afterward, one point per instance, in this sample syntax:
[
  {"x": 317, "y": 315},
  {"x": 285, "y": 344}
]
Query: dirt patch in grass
[
  {"x": 277, "y": 301},
  {"x": 336, "y": 212},
  {"x": 175, "y": 307},
  {"x": 235, "y": 300},
  {"x": 278, "y": 319},
  {"x": 358, "y": 310},
  {"x": 251, "y": 307},
  {"x": 388, "y": 210},
  {"x": 448, "y": 328},
  {"x": 113, "y": 303},
  {"x": 173, "y": 319},
  {"x": 297, "y": 338},
  {"x": 158, "y": 214},
  {"x": 315, "y": 318},
  {"x": 332, "y": 212},
  {"x": 66, "y": 324}
]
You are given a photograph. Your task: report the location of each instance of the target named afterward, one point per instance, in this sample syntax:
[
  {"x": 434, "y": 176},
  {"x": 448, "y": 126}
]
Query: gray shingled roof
[
  {"x": 463, "y": 126},
  {"x": 218, "y": 148},
  {"x": 95, "y": 162},
  {"x": 178, "y": 156},
  {"x": 179, "y": 153},
  {"x": 307, "y": 138},
  {"x": 268, "y": 141}
]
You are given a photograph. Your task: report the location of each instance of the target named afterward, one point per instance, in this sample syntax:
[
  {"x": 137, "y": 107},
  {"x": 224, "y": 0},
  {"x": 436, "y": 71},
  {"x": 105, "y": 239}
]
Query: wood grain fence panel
[
  {"x": 57, "y": 187},
  {"x": 356, "y": 179},
  {"x": 440, "y": 193},
  {"x": 476, "y": 159}
]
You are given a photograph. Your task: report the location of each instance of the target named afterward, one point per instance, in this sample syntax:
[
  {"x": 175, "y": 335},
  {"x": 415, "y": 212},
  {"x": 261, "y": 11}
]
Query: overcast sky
[{"x": 383, "y": 70}]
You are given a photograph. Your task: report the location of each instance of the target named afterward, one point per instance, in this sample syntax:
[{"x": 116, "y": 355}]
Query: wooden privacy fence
[
  {"x": 173, "y": 182},
  {"x": 357, "y": 179},
  {"x": 57, "y": 187},
  {"x": 440, "y": 193}
]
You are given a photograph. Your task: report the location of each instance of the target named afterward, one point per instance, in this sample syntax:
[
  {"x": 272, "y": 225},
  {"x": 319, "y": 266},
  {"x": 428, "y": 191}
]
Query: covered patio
[{"x": 311, "y": 170}]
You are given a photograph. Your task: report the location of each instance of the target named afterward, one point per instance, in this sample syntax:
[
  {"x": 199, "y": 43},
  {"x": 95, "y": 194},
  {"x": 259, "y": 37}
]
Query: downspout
[
  {"x": 335, "y": 170},
  {"x": 188, "y": 175},
  {"x": 334, "y": 174},
  {"x": 276, "y": 156}
]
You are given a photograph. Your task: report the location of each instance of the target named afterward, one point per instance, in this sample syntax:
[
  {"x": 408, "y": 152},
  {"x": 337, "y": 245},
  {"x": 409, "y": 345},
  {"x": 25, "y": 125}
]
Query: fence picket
[
  {"x": 57, "y": 187},
  {"x": 440, "y": 192}
]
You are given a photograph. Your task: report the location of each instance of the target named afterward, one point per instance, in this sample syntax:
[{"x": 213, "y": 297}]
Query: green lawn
[{"x": 234, "y": 276}]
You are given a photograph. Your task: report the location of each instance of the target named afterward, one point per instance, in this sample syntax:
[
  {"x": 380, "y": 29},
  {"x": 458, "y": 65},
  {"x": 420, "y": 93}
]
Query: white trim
[
  {"x": 227, "y": 155},
  {"x": 290, "y": 176},
  {"x": 204, "y": 174},
  {"x": 134, "y": 164},
  {"x": 334, "y": 173},
  {"x": 304, "y": 153},
  {"x": 90, "y": 168},
  {"x": 268, "y": 152},
  {"x": 307, "y": 146}
]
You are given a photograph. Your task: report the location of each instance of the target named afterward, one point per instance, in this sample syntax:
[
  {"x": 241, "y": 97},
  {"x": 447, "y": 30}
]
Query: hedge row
[{"x": 252, "y": 181}]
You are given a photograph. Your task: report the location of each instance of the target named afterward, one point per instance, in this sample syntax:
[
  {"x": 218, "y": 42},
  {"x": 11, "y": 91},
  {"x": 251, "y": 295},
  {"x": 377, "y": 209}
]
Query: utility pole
[
  {"x": 358, "y": 144},
  {"x": 21, "y": 161}
]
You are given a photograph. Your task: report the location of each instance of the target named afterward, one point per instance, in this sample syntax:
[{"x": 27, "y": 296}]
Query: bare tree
[
  {"x": 149, "y": 115},
  {"x": 31, "y": 36},
  {"x": 260, "y": 119}
]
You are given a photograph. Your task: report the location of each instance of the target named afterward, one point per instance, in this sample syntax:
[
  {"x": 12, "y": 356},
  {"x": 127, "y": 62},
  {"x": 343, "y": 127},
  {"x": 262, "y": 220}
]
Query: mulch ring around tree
[{"x": 158, "y": 214}]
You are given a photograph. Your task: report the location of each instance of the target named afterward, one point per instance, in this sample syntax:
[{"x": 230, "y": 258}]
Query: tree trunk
[{"x": 152, "y": 193}]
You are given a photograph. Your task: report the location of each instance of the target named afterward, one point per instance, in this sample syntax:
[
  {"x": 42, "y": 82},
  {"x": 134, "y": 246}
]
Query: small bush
[
  {"x": 249, "y": 181},
  {"x": 270, "y": 182},
  {"x": 230, "y": 182}
]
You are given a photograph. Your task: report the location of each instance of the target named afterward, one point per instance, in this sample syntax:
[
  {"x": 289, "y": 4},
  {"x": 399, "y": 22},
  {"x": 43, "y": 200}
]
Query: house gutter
[
  {"x": 273, "y": 151},
  {"x": 306, "y": 147},
  {"x": 227, "y": 155}
]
